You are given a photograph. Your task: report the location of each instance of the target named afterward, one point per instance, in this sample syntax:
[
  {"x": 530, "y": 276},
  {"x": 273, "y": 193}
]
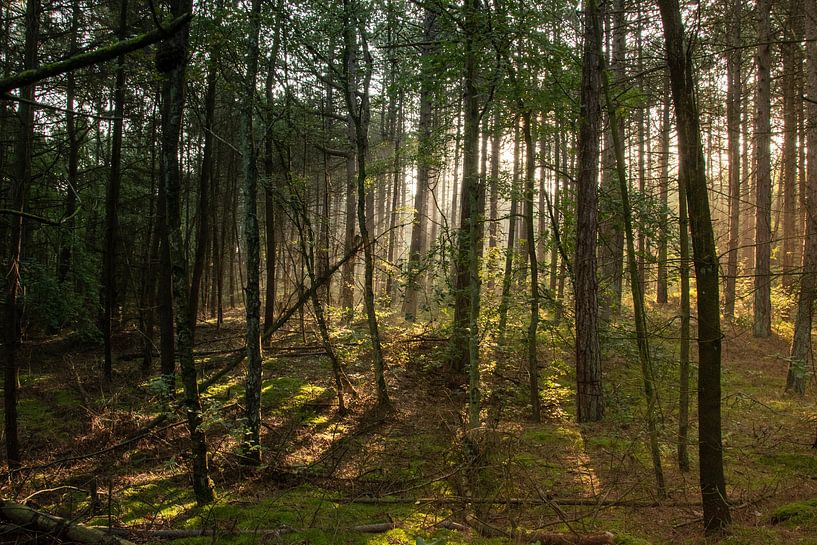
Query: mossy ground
[{"x": 325, "y": 473}]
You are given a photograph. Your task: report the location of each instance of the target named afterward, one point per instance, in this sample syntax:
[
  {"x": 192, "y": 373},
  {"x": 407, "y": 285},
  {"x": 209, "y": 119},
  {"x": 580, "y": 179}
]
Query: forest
[{"x": 408, "y": 272}]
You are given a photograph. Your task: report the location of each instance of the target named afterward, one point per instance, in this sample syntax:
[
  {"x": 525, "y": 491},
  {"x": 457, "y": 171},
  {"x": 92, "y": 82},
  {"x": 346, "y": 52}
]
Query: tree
[
  {"x": 171, "y": 62},
  {"x": 17, "y": 199},
  {"x": 425, "y": 168},
  {"x": 763, "y": 185},
  {"x": 801, "y": 341},
  {"x": 112, "y": 199},
  {"x": 734, "y": 85},
  {"x": 533, "y": 360},
  {"x": 588, "y": 358},
  {"x": 252, "y": 241},
  {"x": 356, "y": 95},
  {"x": 692, "y": 173}
]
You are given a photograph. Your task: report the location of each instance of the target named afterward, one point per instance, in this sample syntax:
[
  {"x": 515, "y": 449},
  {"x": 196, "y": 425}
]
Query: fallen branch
[
  {"x": 27, "y": 77},
  {"x": 376, "y": 528},
  {"x": 544, "y": 538},
  {"x": 577, "y": 502},
  {"x": 21, "y": 515},
  {"x": 238, "y": 356}
]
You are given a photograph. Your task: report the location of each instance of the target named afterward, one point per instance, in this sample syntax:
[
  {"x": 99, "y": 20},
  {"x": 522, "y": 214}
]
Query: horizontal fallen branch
[
  {"x": 23, "y": 516},
  {"x": 578, "y": 502},
  {"x": 544, "y": 538}
]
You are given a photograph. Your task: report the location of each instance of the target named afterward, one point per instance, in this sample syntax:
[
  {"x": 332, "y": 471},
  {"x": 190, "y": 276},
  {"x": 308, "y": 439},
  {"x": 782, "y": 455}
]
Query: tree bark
[
  {"x": 252, "y": 240},
  {"x": 801, "y": 342},
  {"x": 108, "y": 288},
  {"x": 425, "y": 167},
  {"x": 590, "y": 405},
  {"x": 17, "y": 199},
  {"x": 174, "y": 63},
  {"x": 733, "y": 92},
  {"x": 533, "y": 361},
  {"x": 693, "y": 175},
  {"x": 763, "y": 186}
]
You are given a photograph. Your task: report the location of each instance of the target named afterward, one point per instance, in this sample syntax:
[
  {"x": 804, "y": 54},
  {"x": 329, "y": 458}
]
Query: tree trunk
[
  {"x": 205, "y": 179},
  {"x": 357, "y": 102},
  {"x": 611, "y": 232},
  {"x": 590, "y": 406},
  {"x": 425, "y": 164},
  {"x": 108, "y": 288},
  {"x": 693, "y": 173},
  {"x": 734, "y": 85},
  {"x": 507, "y": 276},
  {"x": 763, "y": 185},
  {"x": 252, "y": 239},
  {"x": 17, "y": 199},
  {"x": 801, "y": 342},
  {"x": 533, "y": 362},
  {"x": 792, "y": 72},
  {"x": 662, "y": 287},
  {"x": 172, "y": 59}
]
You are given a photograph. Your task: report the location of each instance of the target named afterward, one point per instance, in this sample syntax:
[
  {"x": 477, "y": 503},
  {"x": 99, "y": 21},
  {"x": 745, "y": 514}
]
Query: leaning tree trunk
[
  {"x": 692, "y": 169},
  {"x": 588, "y": 358},
  {"x": 171, "y": 61},
  {"x": 636, "y": 288}
]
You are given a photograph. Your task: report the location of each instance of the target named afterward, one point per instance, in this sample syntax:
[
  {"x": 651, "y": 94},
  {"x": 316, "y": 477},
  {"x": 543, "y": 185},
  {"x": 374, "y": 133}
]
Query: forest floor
[{"x": 325, "y": 475}]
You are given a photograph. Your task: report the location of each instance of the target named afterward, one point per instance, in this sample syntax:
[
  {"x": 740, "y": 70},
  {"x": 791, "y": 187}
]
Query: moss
[
  {"x": 797, "y": 513},
  {"x": 627, "y": 539},
  {"x": 796, "y": 463}
]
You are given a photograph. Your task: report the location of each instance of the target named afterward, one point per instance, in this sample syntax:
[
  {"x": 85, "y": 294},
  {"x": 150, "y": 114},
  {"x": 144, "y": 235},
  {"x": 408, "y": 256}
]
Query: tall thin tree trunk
[
  {"x": 763, "y": 228},
  {"x": 590, "y": 405},
  {"x": 734, "y": 89},
  {"x": 357, "y": 102},
  {"x": 792, "y": 72},
  {"x": 662, "y": 288},
  {"x": 252, "y": 239},
  {"x": 716, "y": 515},
  {"x": 171, "y": 59},
  {"x": 801, "y": 341},
  {"x": 533, "y": 361},
  {"x": 638, "y": 295},
  {"x": 611, "y": 233},
  {"x": 109, "y": 288},
  {"x": 205, "y": 179},
  {"x": 425, "y": 166},
  {"x": 507, "y": 276},
  {"x": 17, "y": 199}
]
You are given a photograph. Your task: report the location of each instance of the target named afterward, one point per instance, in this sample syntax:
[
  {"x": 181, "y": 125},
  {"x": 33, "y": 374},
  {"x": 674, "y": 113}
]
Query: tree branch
[{"x": 102, "y": 54}]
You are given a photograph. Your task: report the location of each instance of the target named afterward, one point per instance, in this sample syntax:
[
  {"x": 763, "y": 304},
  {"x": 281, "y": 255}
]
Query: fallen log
[
  {"x": 23, "y": 516},
  {"x": 544, "y": 538}
]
